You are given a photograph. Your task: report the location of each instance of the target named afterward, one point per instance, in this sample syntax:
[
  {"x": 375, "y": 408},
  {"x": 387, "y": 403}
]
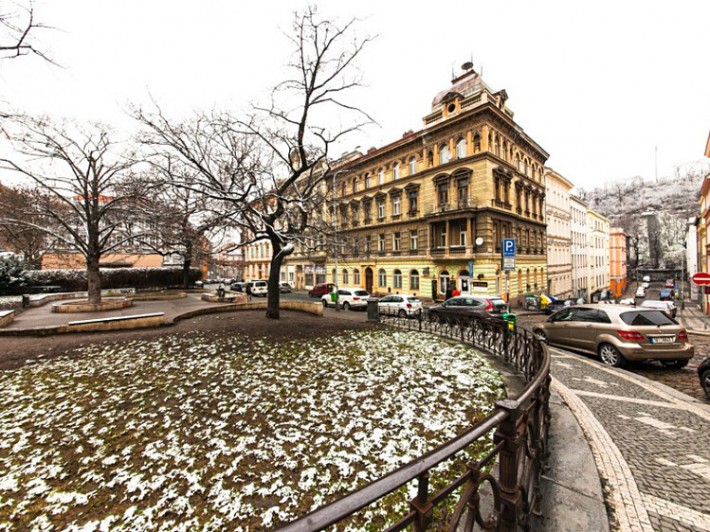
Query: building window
[
  {"x": 356, "y": 277},
  {"x": 462, "y": 234},
  {"x": 412, "y": 166},
  {"x": 461, "y": 149},
  {"x": 380, "y": 209},
  {"x": 367, "y": 180},
  {"x": 395, "y": 171},
  {"x": 443, "y": 194},
  {"x": 413, "y": 201},
  {"x": 476, "y": 143},
  {"x": 381, "y": 177},
  {"x": 442, "y": 237},
  {"x": 463, "y": 192},
  {"x": 413, "y": 240},
  {"x": 443, "y": 281},
  {"x": 345, "y": 277},
  {"x": 397, "y": 242},
  {"x": 354, "y": 184},
  {"x": 396, "y": 202},
  {"x": 444, "y": 155},
  {"x": 382, "y": 278},
  {"x": 414, "y": 280},
  {"x": 335, "y": 277},
  {"x": 397, "y": 279},
  {"x": 381, "y": 243}
]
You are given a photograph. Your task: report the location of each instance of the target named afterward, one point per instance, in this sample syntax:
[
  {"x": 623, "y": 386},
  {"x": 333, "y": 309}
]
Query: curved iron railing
[{"x": 506, "y": 481}]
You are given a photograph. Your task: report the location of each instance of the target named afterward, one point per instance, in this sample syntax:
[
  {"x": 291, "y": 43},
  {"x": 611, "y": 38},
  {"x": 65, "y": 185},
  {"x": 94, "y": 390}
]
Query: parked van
[{"x": 257, "y": 288}]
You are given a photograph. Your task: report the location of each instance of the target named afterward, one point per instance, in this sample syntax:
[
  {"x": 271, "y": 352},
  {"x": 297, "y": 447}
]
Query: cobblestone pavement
[{"x": 650, "y": 444}]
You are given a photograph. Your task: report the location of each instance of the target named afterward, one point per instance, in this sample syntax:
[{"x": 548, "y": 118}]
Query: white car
[
  {"x": 400, "y": 304},
  {"x": 666, "y": 306},
  {"x": 646, "y": 279},
  {"x": 347, "y": 298},
  {"x": 640, "y": 292},
  {"x": 645, "y": 284},
  {"x": 257, "y": 288},
  {"x": 627, "y": 301}
]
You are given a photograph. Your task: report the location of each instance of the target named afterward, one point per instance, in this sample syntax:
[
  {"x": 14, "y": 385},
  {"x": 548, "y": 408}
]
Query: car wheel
[
  {"x": 402, "y": 313},
  {"x": 610, "y": 356},
  {"x": 346, "y": 306},
  {"x": 705, "y": 382},
  {"x": 325, "y": 303},
  {"x": 542, "y": 335},
  {"x": 675, "y": 364}
]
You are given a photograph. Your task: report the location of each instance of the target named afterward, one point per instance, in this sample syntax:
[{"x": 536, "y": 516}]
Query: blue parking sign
[{"x": 509, "y": 247}]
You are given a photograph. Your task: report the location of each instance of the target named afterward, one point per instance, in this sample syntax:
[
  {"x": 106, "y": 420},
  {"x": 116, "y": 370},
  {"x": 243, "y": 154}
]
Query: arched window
[
  {"x": 397, "y": 279},
  {"x": 461, "y": 149},
  {"x": 356, "y": 277},
  {"x": 476, "y": 143},
  {"x": 443, "y": 281},
  {"x": 395, "y": 171},
  {"x": 444, "y": 154},
  {"x": 346, "y": 281},
  {"x": 335, "y": 277},
  {"x": 381, "y": 176},
  {"x": 354, "y": 184},
  {"x": 414, "y": 280},
  {"x": 367, "y": 180},
  {"x": 412, "y": 166},
  {"x": 382, "y": 278}
]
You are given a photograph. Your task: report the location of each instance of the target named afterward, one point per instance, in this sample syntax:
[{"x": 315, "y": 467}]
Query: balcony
[
  {"x": 438, "y": 250},
  {"x": 457, "y": 249}
]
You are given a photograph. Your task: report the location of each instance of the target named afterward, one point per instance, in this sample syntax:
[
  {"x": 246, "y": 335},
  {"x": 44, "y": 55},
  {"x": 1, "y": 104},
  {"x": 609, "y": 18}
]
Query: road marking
[
  {"x": 623, "y": 399},
  {"x": 601, "y": 384},
  {"x": 665, "y": 428},
  {"x": 676, "y": 512}
]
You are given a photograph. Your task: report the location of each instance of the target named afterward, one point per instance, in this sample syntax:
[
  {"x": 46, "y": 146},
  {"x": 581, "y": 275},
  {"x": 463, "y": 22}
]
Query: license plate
[{"x": 663, "y": 340}]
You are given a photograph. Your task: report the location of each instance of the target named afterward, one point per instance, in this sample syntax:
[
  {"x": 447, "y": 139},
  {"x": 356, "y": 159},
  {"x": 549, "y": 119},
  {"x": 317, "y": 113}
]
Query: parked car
[
  {"x": 666, "y": 294},
  {"x": 468, "y": 307},
  {"x": 666, "y": 306},
  {"x": 646, "y": 279},
  {"x": 320, "y": 289},
  {"x": 348, "y": 298},
  {"x": 670, "y": 283},
  {"x": 628, "y": 301},
  {"x": 559, "y": 304},
  {"x": 285, "y": 288},
  {"x": 257, "y": 288},
  {"x": 646, "y": 284},
  {"x": 403, "y": 305},
  {"x": 617, "y": 333},
  {"x": 704, "y": 375},
  {"x": 640, "y": 292},
  {"x": 238, "y": 286}
]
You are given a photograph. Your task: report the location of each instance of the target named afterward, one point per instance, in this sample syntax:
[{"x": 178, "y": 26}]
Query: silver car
[
  {"x": 619, "y": 333},
  {"x": 402, "y": 305}
]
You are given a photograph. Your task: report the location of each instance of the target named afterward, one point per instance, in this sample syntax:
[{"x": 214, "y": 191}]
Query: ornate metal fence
[{"x": 501, "y": 490}]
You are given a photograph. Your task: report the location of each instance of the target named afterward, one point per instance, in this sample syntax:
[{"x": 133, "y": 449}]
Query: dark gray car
[{"x": 467, "y": 307}]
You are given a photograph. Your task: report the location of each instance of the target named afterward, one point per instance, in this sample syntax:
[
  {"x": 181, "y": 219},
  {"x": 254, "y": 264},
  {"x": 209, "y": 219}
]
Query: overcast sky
[{"x": 597, "y": 84}]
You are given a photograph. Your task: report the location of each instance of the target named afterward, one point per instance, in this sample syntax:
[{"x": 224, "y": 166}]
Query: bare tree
[
  {"x": 269, "y": 168},
  {"x": 81, "y": 171},
  {"x": 24, "y": 238},
  {"x": 18, "y": 29}
]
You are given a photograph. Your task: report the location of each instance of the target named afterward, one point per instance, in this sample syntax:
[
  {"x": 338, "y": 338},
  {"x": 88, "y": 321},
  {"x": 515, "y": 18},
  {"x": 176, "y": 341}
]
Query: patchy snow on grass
[{"x": 191, "y": 431}]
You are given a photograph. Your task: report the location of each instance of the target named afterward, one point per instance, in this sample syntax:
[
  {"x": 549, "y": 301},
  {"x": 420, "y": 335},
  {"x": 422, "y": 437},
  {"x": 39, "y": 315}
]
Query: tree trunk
[
  {"x": 186, "y": 263},
  {"x": 93, "y": 278},
  {"x": 274, "y": 294}
]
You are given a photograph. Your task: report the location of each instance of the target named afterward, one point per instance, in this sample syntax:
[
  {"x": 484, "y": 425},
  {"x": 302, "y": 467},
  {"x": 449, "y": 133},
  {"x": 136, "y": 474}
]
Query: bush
[
  {"x": 138, "y": 278},
  {"x": 12, "y": 274}
]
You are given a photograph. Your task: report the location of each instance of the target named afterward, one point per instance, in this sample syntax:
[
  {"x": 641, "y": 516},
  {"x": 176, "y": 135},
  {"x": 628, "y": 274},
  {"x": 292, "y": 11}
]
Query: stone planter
[{"x": 108, "y": 303}]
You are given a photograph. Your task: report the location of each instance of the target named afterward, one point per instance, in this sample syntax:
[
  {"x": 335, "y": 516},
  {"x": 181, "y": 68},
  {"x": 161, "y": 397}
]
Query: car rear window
[
  {"x": 499, "y": 305},
  {"x": 413, "y": 300},
  {"x": 361, "y": 293},
  {"x": 646, "y": 317}
]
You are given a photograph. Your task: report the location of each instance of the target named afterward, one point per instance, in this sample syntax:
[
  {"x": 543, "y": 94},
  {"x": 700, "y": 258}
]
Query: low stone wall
[
  {"x": 229, "y": 297},
  {"x": 303, "y": 306},
  {"x": 158, "y": 296},
  {"x": 85, "y": 306},
  {"x": 6, "y": 317},
  {"x": 139, "y": 321}
]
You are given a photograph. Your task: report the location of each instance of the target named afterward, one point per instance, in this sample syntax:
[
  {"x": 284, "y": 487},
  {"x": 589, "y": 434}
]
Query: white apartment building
[
  {"x": 691, "y": 255},
  {"x": 579, "y": 233},
  {"x": 599, "y": 271},
  {"x": 559, "y": 234}
]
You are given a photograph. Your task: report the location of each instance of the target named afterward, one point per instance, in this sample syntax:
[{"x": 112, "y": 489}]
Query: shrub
[
  {"x": 138, "y": 278},
  {"x": 12, "y": 274}
]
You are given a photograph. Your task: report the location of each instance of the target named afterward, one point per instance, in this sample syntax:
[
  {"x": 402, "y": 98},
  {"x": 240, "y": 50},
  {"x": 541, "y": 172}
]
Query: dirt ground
[{"x": 17, "y": 351}]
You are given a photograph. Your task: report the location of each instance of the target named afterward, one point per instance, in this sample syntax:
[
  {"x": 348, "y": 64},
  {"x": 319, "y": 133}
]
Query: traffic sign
[
  {"x": 508, "y": 263},
  {"x": 702, "y": 278},
  {"x": 509, "y": 247}
]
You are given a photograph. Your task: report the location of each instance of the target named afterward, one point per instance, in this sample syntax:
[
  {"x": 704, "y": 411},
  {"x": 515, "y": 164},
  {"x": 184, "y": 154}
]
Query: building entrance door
[
  {"x": 368, "y": 280},
  {"x": 464, "y": 287}
]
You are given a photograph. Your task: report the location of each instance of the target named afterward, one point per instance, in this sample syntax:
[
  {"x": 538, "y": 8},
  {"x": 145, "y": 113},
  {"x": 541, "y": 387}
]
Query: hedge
[{"x": 138, "y": 278}]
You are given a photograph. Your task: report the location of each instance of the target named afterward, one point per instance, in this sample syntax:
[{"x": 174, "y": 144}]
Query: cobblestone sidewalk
[{"x": 651, "y": 445}]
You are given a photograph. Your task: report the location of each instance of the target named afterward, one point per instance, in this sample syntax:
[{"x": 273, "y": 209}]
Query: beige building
[
  {"x": 579, "y": 233},
  {"x": 430, "y": 210},
  {"x": 617, "y": 261},
  {"x": 559, "y": 234},
  {"x": 599, "y": 270}
]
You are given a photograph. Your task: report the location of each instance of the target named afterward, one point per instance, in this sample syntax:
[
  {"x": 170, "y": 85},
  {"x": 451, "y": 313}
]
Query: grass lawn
[{"x": 198, "y": 431}]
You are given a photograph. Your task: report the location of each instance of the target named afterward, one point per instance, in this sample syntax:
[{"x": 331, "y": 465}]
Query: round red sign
[{"x": 701, "y": 278}]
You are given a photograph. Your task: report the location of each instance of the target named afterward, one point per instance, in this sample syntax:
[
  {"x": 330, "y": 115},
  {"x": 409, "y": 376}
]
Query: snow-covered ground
[{"x": 193, "y": 432}]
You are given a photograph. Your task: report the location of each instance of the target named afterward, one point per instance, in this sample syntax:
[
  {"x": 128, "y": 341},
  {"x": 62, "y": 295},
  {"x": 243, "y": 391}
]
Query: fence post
[
  {"x": 421, "y": 504},
  {"x": 510, "y": 433}
]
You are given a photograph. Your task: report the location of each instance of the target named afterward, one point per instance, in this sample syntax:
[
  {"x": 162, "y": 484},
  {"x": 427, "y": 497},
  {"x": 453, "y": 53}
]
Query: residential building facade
[
  {"x": 599, "y": 271},
  {"x": 691, "y": 256},
  {"x": 579, "y": 232},
  {"x": 429, "y": 211},
  {"x": 559, "y": 234}
]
